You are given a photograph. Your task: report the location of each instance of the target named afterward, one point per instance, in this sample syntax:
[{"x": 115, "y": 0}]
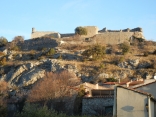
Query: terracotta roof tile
[{"x": 107, "y": 96}]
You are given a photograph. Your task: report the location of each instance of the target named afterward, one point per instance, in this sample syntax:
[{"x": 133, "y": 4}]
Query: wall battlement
[{"x": 138, "y": 29}]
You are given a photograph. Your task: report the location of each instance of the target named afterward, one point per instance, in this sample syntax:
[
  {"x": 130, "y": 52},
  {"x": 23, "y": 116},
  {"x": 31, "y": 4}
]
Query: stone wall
[
  {"x": 67, "y": 35},
  {"x": 36, "y": 34},
  {"x": 38, "y": 44},
  {"x": 41, "y": 34},
  {"x": 91, "y": 30},
  {"x": 102, "y": 105},
  {"x": 113, "y": 37}
]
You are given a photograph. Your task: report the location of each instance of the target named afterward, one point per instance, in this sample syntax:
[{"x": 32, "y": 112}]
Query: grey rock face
[
  {"x": 28, "y": 73},
  {"x": 130, "y": 64}
]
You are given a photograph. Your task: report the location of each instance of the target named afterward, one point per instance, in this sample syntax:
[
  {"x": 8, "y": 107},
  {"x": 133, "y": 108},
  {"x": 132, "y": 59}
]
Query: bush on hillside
[
  {"x": 3, "y": 41},
  {"x": 51, "y": 51},
  {"x": 146, "y": 53},
  {"x": 111, "y": 80},
  {"x": 94, "y": 52},
  {"x": 81, "y": 31},
  {"x": 15, "y": 43},
  {"x": 3, "y": 61},
  {"x": 33, "y": 110},
  {"x": 16, "y": 48},
  {"x": 154, "y": 52},
  {"x": 125, "y": 48}
]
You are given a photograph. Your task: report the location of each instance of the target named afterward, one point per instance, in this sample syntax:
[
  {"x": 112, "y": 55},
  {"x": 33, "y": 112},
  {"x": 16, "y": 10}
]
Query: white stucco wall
[
  {"x": 150, "y": 88},
  {"x": 152, "y": 108},
  {"x": 130, "y": 103}
]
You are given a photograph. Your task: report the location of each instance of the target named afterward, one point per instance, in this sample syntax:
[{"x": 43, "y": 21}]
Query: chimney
[
  {"x": 97, "y": 86},
  {"x": 85, "y": 84},
  {"x": 127, "y": 84},
  {"x": 119, "y": 80}
]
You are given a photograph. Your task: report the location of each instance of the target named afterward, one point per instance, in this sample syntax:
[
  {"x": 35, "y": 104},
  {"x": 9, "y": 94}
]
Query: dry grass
[
  {"x": 74, "y": 47},
  {"x": 3, "y": 92},
  {"x": 1, "y": 53}
]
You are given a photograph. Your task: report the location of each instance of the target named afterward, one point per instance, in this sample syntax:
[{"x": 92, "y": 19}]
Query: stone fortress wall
[
  {"x": 36, "y": 34},
  {"x": 117, "y": 36},
  {"x": 103, "y": 36}
]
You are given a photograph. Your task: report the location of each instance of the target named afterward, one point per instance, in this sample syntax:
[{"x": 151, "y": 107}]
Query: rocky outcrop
[
  {"x": 131, "y": 64},
  {"x": 28, "y": 73}
]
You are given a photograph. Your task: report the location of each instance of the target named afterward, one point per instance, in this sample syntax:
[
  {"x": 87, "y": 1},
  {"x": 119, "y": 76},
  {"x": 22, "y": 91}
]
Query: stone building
[
  {"x": 36, "y": 34},
  {"x": 100, "y": 102}
]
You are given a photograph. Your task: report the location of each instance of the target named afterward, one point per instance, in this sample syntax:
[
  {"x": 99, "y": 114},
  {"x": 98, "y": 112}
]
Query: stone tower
[{"x": 33, "y": 30}]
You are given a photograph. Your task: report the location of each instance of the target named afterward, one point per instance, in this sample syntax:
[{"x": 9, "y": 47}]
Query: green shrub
[
  {"x": 111, "y": 80},
  {"x": 146, "y": 53},
  {"x": 154, "y": 52},
  {"x": 3, "y": 111},
  {"x": 36, "y": 111},
  {"x": 94, "y": 52},
  {"x": 44, "y": 49},
  {"x": 3, "y": 61},
  {"x": 125, "y": 48},
  {"x": 3, "y": 41},
  {"x": 121, "y": 59},
  {"x": 51, "y": 51},
  {"x": 32, "y": 52},
  {"x": 81, "y": 31},
  {"x": 32, "y": 110},
  {"x": 16, "y": 48}
]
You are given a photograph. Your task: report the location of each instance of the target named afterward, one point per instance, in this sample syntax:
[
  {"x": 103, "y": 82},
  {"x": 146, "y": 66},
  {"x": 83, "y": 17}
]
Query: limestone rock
[
  {"x": 103, "y": 75},
  {"x": 5, "y": 51},
  {"x": 10, "y": 57},
  {"x": 130, "y": 64}
]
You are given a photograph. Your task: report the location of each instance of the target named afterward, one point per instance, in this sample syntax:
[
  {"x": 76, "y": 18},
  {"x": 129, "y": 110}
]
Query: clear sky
[{"x": 17, "y": 17}]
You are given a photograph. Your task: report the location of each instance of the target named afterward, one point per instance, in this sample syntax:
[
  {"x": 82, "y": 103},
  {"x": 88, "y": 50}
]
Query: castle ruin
[
  {"x": 36, "y": 34},
  {"x": 101, "y": 36}
]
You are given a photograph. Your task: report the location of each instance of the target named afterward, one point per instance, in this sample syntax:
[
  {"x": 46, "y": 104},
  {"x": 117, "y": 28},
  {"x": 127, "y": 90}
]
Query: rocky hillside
[{"x": 135, "y": 60}]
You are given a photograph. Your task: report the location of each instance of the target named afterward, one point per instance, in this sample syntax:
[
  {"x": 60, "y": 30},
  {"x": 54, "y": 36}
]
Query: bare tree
[
  {"x": 54, "y": 85},
  {"x": 17, "y": 41},
  {"x": 3, "y": 95}
]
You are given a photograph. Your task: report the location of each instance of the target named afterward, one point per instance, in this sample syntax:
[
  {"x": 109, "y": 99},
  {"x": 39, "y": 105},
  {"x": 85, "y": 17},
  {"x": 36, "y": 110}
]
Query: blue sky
[{"x": 17, "y": 17}]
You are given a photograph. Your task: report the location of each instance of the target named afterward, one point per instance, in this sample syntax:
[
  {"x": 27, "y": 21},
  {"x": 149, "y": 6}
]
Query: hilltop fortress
[{"x": 102, "y": 36}]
